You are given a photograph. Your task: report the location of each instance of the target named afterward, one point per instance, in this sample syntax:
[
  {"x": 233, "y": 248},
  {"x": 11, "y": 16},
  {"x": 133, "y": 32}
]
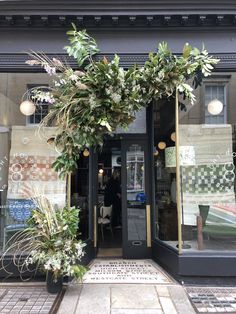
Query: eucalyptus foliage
[{"x": 100, "y": 96}]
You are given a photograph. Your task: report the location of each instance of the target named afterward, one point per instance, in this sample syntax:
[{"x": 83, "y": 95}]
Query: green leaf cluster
[
  {"x": 82, "y": 46},
  {"x": 50, "y": 241},
  {"x": 100, "y": 96}
]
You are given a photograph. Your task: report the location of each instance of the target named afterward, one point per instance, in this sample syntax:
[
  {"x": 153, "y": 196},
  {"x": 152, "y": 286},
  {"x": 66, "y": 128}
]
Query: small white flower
[
  {"x": 73, "y": 77},
  {"x": 81, "y": 86},
  {"x": 57, "y": 84},
  {"x": 62, "y": 81},
  {"x": 50, "y": 70},
  {"x": 92, "y": 101},
  {"x": 79, "y": 73},
  {"x": 116, "y": 98}
]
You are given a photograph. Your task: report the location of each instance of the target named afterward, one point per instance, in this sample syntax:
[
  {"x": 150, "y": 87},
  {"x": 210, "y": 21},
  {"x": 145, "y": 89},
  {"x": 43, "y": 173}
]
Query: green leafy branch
[{"x": 101, "y": 96}]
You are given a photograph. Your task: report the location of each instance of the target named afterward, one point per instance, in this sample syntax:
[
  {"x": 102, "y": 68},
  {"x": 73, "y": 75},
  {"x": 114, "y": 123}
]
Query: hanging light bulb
[
  {"x": 86, "y": 152},
  {"x": 28, "y": 104},
  {"x": 27, "y": 107},
  {"x": 161, "y": 145},
  {"x": 155, "y": 151},
  {"x": 101, "y": 171},
  {"x": 172, "y": 136},
  {"x": 215, "y": 107}
]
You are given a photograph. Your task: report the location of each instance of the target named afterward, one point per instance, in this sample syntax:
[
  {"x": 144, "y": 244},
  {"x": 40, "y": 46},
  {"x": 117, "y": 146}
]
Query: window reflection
[
  {"x": 165, "y": 225},
  {"x": 208, "y": 187},
  {"x": 136, "y": 197}
]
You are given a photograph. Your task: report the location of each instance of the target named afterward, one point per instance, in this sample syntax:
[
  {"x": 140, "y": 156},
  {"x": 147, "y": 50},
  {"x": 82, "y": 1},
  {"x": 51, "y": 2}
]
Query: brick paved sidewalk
[{"x": 23, "y": 298}]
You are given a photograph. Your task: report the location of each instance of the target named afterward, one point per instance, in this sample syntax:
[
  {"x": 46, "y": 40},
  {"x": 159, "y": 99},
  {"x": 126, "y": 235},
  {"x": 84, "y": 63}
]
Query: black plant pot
[{"x": 53, "y": 286}]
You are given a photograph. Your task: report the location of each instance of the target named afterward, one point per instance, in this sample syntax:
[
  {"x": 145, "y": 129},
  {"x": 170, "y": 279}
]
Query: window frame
[
  {"x": 216, "y": 81},
  {"x": 29, "y": 87}
]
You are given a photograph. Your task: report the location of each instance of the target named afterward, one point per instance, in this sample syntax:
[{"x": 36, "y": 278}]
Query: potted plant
[{"x": 51, "y": 243}]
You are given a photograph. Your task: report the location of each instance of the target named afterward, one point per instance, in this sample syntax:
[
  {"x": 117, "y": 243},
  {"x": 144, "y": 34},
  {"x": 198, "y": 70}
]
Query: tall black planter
[{"x": 52, "y": 285}]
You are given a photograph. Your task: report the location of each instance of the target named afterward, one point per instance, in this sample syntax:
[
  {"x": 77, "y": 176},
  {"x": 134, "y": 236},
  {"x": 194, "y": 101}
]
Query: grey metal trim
[
  {"x": 120, "y": 6},
  {"x": 141, "y": 19},
  {"x": 16, "y": 62}
]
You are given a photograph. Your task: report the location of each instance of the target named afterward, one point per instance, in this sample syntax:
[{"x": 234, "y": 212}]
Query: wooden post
[
  {"x": 178, "y": 182},
  {"x": 199, "y": 233},
  {"x": 68, "y": 196}
]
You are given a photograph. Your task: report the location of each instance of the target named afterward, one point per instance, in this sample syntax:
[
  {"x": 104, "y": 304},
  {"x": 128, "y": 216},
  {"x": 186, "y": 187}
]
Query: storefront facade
[{"x": 200, "y": 238}]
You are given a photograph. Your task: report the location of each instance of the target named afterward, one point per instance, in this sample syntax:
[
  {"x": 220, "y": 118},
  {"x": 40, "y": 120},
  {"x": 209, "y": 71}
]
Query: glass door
[{"x": 135, "y": 200}]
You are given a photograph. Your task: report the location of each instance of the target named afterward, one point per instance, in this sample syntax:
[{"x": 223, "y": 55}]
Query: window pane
[
  {"x": 215, "y": 92},
  {"x": 208, "y": 179},
  {"x": 165, "y": 226},
  {"x": 25, "y": 157},
  {"x": 136, "y": 198}
]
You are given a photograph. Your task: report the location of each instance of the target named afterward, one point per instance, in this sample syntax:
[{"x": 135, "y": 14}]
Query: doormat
[
  {"x": 126, "y": 271},
  {"x": 214, "y": 300}
]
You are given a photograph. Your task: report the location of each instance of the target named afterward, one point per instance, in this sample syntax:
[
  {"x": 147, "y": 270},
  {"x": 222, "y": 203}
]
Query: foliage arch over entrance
[{"x": 101, "y": 96}]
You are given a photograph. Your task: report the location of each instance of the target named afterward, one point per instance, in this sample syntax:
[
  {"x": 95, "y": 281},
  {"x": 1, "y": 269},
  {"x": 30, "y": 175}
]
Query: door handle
[
  {"x": 148, "y": 221},
  {"x": 95, "y": 226}
]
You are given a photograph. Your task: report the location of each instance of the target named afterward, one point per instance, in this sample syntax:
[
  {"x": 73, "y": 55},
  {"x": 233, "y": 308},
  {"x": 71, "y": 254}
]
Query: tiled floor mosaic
[
  {"x": 126, "y": 271},
  {"x": 26, "y": 300},
  {"x": 212, "y": 300}
]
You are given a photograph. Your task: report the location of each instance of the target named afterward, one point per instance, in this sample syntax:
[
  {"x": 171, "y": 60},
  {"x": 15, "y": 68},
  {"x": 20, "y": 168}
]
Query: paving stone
[
  {"x": 94, "y": 297},
  {"x": 70, "y": 300},
  {"x": 26, "y": 307},
  {"x": 167, "y": 305},
  {"x": 47, "y": 308},
  {"x": 134, "y": 297},
  {"x": 136, "y": 311},
  {"x": 162, "y": 291},
  {"x": 180, "y": 299}
]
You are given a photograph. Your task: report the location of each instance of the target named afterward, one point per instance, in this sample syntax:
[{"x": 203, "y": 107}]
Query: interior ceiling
[{"x": 164, "y": 118}]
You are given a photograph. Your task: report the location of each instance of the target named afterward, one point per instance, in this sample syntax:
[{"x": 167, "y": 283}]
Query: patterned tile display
[
  {"x": 30, "y": 166},
  {"x": 33, "y": 168},
  {"x": 212, "y": 300},
  {"x": 207, "y": 179},
  {"x": 27, "y": 299}
]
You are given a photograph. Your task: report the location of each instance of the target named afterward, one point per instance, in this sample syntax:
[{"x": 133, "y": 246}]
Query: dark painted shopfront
[{"x": 200, "y": 238}]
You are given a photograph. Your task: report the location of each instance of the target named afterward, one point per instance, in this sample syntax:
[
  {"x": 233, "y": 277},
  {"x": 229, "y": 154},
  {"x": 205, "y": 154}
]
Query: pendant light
[
  {"x": 86, "y": 152},
  {"x": 172, "y": 136},
  {"x": 161, "y": 145},
  {"x": 215, "y": 107},
  {"x": 27, "y": 107}
]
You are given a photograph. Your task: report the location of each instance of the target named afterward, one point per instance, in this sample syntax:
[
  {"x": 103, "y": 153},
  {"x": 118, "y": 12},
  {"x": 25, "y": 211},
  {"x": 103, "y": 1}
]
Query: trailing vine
[{"x": 100, "y": 96}]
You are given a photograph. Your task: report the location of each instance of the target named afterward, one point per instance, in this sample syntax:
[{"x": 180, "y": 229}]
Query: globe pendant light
[
  {"x": 86, "y": 152},
  {"x": 172, "y": 136},
  {"x": 161, "y": 145},
  {"x": 215, "y": 107},
  {"x": 27, "y": 107}
]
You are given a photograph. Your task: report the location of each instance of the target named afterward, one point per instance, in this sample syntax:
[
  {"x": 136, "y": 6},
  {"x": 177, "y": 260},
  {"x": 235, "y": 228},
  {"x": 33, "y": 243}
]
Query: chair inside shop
[
  {"x": 214, "y": 230},
  {"x": 104, "y": 220}
]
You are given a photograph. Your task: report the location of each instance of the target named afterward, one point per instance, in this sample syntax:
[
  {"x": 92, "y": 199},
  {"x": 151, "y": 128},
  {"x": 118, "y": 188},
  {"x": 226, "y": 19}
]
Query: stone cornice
[
  {"x": 55, "y": 7},
  {"x": 16, "y": 62}
]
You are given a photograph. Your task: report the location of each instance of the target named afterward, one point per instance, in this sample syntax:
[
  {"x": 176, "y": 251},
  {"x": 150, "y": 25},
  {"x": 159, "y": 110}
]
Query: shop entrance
[{"x": 122, "y": 225}]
